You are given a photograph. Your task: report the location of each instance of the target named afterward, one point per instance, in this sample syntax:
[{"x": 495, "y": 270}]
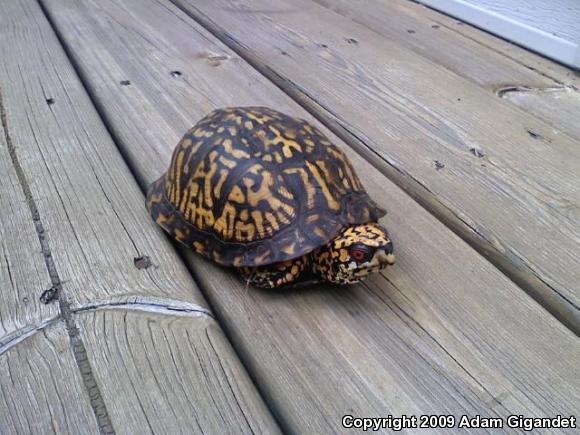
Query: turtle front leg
[{"x": 277, "y": 274}]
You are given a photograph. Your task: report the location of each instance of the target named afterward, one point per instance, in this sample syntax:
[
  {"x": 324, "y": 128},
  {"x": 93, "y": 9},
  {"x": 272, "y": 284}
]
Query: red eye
[{"x": 357, "y": 254}]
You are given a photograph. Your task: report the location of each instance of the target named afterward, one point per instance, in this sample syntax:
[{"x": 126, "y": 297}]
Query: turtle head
[{"x": 355, "y": 253}]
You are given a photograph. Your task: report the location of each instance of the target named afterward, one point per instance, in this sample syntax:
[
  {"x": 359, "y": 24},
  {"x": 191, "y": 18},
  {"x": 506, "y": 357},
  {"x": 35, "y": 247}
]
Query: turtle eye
[{"x": 359, "y": 253}]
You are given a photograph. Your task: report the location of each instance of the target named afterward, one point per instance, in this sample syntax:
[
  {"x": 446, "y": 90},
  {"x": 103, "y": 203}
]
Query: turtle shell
[{"x": 250, "y": 186}]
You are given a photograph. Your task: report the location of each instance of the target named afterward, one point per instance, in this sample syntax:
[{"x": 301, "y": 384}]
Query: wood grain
[
  {"x": 23, "y": 274},
  {"x": 538, "y": 86},
  {"x": 558, "y": 106},
  {"x": 154, "y": 368},
  {"x": 90, "y": 205},
  {"x": 443, "y": 331},
  {"x": 522, "y": 30},
  {"x": 514, "y": 198},
  {"x": 92, "y": 224},
  {"x": 556, "y": 71},
  {"x": 41, "y": 390},
  {"x": 437, "y": 38}
]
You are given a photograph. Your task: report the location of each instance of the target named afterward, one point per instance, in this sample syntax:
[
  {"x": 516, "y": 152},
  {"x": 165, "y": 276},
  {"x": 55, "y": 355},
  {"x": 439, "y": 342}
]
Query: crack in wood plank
[
  {"x": 503, "y": 91},
  {"x": 79, "y": 351},
  {"x": 13, "y": 338},
  {"x": 158, "y": 305}
]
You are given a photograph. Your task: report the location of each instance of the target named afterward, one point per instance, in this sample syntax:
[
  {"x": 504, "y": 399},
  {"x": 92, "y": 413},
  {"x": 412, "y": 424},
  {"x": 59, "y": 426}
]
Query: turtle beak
[{"x": 386, "y": 256}]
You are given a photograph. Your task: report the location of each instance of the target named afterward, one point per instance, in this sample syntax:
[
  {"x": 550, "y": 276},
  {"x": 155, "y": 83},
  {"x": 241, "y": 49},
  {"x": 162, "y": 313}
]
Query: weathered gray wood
[
  {"x": 527, "y": 58},
  {"x": 94, "y": 224},
  {"x": 549, "y": 28},
  {"x": 441, "y": 332},
  {"x": 41, "y": 390},
  {"x": 513, "y": 197},
  {"x": 158, "y": 366},
  {"x": 23, "y": 274},
  {"x": 558, "y": 106},
  {"x": 437, "y": 38},
  {"x": 90, "y": 205},
  {"x": 446, "y": 48},
  {"x": 538, "y": 86}
]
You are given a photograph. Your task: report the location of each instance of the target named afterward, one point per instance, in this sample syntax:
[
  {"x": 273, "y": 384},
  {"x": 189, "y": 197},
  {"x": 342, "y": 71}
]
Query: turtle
[{"x": 269, "y": 194}]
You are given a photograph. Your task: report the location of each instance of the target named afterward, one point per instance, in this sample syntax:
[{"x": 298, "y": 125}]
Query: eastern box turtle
[{"x": 269, "y": 194}]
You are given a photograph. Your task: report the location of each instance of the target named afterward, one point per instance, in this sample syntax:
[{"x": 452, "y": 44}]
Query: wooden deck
[{"x": 471, "y": 143}]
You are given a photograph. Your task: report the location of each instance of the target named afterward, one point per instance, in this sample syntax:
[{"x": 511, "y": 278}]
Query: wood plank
[
  {"x": 557, "y": 106},
  {"x": 23, "y": 274},
  {"x": 543, "y": 65},
  {"x": 89, "y": 203},
  {"x": 534, "y": 29},
  {"x": 41, "y": 390},
  {"x": 422, "y": 338},
  {"x": 154, "y": 368},
  {"x": 95, "y": 226},
  {"x": 500, "y": 189},
  {"x": 552, "y": 70},
  {"x": 524, "y": 80},
  {"x": 436, "y": 37}
]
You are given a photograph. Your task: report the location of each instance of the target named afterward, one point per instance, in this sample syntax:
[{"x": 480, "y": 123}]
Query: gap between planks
[
  {"x": 146, "y": 304},
  {"x": 172, "y": 306},
  {"x": 78, "y": 348},
  {"x": 513, "y": 268},
  {"x": 153, "y": 305},
  {"x": 163, "y": 306}
]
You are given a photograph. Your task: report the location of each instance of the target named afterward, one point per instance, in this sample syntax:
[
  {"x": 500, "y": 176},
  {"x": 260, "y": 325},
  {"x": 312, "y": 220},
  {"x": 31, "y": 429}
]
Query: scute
[{"x": 251, "y": 186}]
